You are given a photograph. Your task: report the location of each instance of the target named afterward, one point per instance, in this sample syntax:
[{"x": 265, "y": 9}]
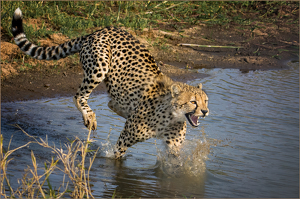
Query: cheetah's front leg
[
  {"x": 134, "y": 131},
  {"x": 174, "y": 136},
  {"x": 124, "y": 141}
]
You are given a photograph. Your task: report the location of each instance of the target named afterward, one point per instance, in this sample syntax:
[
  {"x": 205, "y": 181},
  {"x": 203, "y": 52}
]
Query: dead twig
[{"x": 294, "y": 43}]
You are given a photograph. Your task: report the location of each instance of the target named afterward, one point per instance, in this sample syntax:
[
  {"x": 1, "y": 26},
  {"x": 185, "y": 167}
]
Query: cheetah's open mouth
[{"x": 193, "y": 119}]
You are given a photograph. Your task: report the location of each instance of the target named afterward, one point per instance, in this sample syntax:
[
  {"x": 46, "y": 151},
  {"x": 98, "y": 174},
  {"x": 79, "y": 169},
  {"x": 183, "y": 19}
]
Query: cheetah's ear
[
  {"x": 175, "y": 90},
  {"x": 199, "y": 86}
]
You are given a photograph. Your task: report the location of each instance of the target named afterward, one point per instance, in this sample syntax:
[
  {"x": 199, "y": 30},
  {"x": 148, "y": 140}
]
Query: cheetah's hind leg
[
  {"x": 81, "y": 97},
  {"x": 95, "y": 67},
  {"x": 89, "y": 117}
]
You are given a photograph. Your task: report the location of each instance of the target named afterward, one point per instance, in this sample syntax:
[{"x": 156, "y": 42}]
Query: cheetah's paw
[{"x": 90, "y": 120}]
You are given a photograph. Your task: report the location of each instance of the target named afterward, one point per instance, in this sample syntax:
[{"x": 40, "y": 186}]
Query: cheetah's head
[{"x": 189, "y": 103}]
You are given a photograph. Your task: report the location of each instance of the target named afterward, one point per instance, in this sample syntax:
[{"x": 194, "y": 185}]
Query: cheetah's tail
[{"x": 43, "y": 53}]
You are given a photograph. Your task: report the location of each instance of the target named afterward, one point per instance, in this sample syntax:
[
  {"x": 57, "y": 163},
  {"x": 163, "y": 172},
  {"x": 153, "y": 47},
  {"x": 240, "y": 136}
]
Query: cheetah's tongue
[{"x": 193, "y": 119}]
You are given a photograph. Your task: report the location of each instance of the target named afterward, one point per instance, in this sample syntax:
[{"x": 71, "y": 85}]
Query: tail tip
[
  {"x": 16, "y": 25},
  {"x": 18, "y": 13}
]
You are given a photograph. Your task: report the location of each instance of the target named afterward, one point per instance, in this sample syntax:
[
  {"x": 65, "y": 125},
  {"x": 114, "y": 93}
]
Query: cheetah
[{"x": 152, "y": 104}]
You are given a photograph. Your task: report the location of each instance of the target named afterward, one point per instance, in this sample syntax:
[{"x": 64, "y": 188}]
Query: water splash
[
  {"x": 107, "y": 148},
  {"x": 190, "y": 160}
]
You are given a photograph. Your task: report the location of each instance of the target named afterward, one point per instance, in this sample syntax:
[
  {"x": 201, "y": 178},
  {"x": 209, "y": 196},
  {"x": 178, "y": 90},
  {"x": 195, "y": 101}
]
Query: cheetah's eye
[{"x": 193, "y": 102}]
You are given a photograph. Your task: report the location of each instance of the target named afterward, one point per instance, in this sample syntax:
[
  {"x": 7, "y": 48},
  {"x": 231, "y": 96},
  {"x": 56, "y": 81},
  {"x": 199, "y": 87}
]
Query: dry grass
[{"x": 32, "y": 184}]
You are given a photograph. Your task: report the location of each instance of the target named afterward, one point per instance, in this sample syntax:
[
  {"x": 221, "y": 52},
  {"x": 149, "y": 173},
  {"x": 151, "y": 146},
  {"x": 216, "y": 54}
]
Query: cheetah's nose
[{"x": 204, "y": 112}]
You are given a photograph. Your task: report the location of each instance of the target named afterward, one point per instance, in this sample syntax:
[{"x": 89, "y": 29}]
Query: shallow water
[{"x": 247, "y": 147}]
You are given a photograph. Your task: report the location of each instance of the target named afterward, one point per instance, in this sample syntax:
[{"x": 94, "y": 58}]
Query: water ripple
[{"x": 247, "y": 147}]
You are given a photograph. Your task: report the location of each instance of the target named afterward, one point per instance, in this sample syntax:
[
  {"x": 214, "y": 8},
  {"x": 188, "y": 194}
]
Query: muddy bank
[
  {"x": 265, "y": 48},
  {"x": 262, "y": 49}
]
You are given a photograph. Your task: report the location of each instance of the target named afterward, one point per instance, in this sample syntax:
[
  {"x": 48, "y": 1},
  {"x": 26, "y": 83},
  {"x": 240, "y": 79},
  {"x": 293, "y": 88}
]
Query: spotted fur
[{"x": 153, "y": 104}]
